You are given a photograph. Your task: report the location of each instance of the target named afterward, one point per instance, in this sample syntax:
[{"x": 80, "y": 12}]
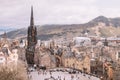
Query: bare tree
[{"x": 13, "y": 74}]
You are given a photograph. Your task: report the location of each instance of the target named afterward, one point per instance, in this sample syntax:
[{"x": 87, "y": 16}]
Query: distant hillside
[
  {"x": 6, "y": 29},
  {"x": 100, "y": 26},
  {"x": 19, "y": 33},
  {"x": 115, "y": 22}
]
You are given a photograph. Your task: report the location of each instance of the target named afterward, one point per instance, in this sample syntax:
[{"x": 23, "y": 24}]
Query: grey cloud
[{"x": 17, "y": 12}]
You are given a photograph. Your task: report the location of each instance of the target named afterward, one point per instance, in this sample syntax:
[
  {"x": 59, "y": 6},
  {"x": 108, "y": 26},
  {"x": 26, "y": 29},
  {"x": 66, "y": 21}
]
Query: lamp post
[{"x": 102, "y": 59}]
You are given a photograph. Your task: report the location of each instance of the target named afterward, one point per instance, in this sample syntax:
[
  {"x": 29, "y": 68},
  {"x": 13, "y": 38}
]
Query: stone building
[
  {"x": 32, "y": 40},
  {"x": 80, "y": 63},
  {"x": 8, "y": 57},
  {"x": 43, "y": 57}
]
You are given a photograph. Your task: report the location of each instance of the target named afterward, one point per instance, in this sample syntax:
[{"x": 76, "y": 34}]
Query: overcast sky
[{"x": 16, "y": 13}]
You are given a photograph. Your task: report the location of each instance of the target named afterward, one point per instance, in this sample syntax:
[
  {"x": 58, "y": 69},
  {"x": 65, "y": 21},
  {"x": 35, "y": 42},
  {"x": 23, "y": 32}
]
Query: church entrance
[{"x": 58, "y": 62}]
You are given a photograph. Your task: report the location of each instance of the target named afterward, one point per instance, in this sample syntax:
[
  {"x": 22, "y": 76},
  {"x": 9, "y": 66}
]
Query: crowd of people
[{"x": 60, "y": 74}]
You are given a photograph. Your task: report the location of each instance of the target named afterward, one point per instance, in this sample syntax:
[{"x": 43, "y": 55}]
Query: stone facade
[
  {"x": 83, "y": 64},
  {"x": 8, "y": 58},
  {"x": 32, "y": 41}
]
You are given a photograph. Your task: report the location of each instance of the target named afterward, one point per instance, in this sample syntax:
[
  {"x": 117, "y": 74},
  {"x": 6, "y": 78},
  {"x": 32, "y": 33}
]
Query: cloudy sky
[{"x": 16, "y": 13}]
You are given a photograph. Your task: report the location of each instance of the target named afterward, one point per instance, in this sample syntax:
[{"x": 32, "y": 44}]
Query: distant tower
[
  {"x": 31, "y": 41},
  {"x": 5, "y": 41},
  {"x": 5, "y": 35},
  {"x": 105, "y": 42}
]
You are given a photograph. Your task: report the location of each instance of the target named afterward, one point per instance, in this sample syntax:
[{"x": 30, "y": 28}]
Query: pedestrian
[
  {"x": 50, "y": 73},
  {"x": 38, "y": 72},
  {"x": 60, "y": 78},
  {"x": 30, "y": 77},
  {"x": 64, "y": 78},
  {"x": 72, "y": 77},
  {"x": 76, "y": 75}
]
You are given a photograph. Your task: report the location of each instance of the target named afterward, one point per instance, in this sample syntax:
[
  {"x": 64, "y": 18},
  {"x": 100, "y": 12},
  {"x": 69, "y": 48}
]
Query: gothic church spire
[{"x": 32, "y": 18}]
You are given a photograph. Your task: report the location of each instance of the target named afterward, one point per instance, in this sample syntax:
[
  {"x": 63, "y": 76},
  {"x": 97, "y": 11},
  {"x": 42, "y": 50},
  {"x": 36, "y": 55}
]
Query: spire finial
[{"x": 32, "y": 18}]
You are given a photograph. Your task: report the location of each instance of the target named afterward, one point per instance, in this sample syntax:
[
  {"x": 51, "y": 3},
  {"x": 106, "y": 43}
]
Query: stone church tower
[{"x": 31, "y": 41}]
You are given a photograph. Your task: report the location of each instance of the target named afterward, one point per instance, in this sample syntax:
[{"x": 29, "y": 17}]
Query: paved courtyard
[{"x": 59, "y": 75}]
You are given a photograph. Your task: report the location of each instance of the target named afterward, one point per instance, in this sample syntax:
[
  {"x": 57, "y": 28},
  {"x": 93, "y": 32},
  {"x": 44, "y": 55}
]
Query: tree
[{"x": 13, "y": 74}]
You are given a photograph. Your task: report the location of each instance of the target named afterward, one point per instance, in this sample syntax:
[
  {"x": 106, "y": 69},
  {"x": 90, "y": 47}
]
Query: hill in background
[{"x": 100, "y": 26}]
